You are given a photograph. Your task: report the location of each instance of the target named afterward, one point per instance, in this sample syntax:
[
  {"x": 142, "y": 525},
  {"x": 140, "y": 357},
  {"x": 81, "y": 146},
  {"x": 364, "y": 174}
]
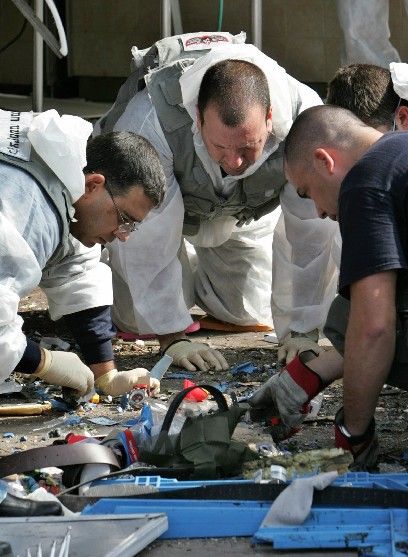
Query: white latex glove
[
  {"x": 296, "y": 343},
  {"x": 116, "y": 383},
  {"x": 196, "y": 355},
  {"x": 67, "y": 370}
]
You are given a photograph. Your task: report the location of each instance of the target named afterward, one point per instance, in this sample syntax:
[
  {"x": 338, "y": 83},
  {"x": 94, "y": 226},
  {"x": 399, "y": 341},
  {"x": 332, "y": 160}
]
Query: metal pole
[
  {"x": 176, "y": 17},
  {"x": 166, "y": 18},
  {"x": 257, "y": 23},
  {"x": 38, "y": 65}
]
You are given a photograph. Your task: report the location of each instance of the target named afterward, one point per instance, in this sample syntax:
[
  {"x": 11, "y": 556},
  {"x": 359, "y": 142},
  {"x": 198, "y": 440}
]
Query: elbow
[{"x": 379, "y": 330}]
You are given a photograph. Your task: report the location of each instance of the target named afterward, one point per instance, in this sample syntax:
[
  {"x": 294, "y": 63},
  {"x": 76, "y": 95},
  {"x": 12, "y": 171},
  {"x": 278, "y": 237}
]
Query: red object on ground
[
  {"x": 74, "y": 438},
  {"x": 196, "y": 395}
]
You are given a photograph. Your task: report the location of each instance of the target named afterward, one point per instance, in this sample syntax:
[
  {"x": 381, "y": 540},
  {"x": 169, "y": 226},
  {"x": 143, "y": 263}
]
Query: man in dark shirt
[{"x": 358, "y": 176}]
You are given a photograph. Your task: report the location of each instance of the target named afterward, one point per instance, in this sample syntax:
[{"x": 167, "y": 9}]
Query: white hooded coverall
[
  {"x": 233, "y": 277},
  {"x": 30, "y": 232}
]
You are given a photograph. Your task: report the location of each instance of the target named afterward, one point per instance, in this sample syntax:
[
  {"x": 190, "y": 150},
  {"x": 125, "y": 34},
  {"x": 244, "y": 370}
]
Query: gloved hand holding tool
[
  {"x": 117, "y": 383},
  {"x": 196, "y": 355},
  {"x": 295, "y": 343},
  {"x": 284, "y": 399},
  {"x": 65, "y": 369}
]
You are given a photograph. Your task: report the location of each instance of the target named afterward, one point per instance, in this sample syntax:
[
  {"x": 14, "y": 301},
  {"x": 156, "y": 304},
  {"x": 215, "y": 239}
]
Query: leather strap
[{"x": 57, "y": 455}]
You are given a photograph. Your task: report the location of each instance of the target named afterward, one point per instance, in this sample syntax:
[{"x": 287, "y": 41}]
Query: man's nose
[
  {"x": 121, "y": 236},
  {"x": 234, "y": 160}
]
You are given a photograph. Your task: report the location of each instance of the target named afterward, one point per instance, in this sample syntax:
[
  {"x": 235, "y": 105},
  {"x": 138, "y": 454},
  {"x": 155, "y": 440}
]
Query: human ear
[
  {"x": 94, "y": 183},
  {"x": 269, "y": 120},
  {"x": 323, "y": 162},
  {"x": 401, "y": 118}
]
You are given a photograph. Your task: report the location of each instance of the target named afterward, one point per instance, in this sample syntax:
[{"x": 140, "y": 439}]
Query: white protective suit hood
[
  {"x": 61, "y": 143},
  {"x": 59, "y": 140},
  {"x": 399, "y": 76},
  {"x": 276, "y": 75},
  {"x": 77, "y": 282}
]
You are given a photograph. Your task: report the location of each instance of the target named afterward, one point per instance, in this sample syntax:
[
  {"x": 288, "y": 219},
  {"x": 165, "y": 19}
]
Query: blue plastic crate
[
  {"x": 365, "y": 479},
  {"x": 352, "y": 479},
  {"x": 374, "y": 532},
  {"x": 192, "y": 518},
  {"x": 167, "y": 484}
]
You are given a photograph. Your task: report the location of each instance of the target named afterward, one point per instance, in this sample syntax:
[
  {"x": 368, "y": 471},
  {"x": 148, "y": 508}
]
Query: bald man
[{"x": 359, "y": 177}]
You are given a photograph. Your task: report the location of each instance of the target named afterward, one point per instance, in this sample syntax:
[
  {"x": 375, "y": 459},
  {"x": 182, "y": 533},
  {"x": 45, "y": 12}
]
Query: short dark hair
[
  {"x": 318, "y": 126},
  {"x": 126, "y": 160},
  {"x": 366, "y": 90},
  {"x": 233, "y": 86}
]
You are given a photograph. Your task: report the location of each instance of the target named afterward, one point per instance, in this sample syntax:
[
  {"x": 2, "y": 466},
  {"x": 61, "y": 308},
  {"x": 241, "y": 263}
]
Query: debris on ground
[{"x": 103, "y": 418}]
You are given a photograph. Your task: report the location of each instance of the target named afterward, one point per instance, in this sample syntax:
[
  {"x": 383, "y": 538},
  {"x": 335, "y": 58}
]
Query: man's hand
[
  {"x": 65, "y": 369},
  {"x": 196, "y": 355},
  {"x": 364, "y": 448},
  {"x": 117, "y": 383},
  {"x": 283, "y": 401},
  {"x": 296, "y": 343}
]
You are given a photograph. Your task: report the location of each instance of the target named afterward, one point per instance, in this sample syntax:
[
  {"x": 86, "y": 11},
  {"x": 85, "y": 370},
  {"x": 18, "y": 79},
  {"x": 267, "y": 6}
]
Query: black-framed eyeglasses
[{"x": 126, "y": 225}]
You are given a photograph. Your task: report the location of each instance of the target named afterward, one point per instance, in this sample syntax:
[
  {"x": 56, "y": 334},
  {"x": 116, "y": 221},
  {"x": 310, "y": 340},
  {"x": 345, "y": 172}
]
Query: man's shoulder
[{"x": 387, "y": 154}]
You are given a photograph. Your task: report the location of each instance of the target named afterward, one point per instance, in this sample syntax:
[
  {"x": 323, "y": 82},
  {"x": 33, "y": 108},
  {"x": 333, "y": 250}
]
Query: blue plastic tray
[
  {"x": 192, "y": 518},
  {"x": 375, "y": 532},
  {"x": 352, "y": 479},
  {"x": 364, "y": 479}
]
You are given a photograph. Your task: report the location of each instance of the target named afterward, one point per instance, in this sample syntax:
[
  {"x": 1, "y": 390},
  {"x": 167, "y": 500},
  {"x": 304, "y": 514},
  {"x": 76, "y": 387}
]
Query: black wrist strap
[
  {"x": 173, "y": 343},
  {"x": 353, "y": 439}
]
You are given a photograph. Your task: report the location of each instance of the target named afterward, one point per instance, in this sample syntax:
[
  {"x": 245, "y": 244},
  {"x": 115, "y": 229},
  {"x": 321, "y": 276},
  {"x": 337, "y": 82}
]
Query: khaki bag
[{"x": 204, "y": 448}]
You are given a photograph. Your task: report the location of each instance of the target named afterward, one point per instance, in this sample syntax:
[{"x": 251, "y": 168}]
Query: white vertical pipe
[
  {"x": 166, "y": 18},
  {"x": 176, "y": 17},
  {"x": 38, "y": 65},
  {"x": 257, "y": 23}
]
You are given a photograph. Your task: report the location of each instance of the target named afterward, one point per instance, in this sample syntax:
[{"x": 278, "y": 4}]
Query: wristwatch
[{"x": 353, "y": 439}]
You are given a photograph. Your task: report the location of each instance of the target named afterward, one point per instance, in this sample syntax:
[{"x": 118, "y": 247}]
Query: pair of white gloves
[{"x": 67, "y": 370}]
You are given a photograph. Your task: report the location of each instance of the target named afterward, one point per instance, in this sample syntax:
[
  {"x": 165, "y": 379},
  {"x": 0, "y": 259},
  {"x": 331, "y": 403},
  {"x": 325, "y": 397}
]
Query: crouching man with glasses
[{"x": 60, "y": 197}]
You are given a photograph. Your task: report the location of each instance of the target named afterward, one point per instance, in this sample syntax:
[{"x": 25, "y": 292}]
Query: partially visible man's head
[
  {"x": 323, "y": 144},
  {"x": 234, "y": 114},
  {"x": 124, "y": 180},
  {"x": 367, "y": 90}
]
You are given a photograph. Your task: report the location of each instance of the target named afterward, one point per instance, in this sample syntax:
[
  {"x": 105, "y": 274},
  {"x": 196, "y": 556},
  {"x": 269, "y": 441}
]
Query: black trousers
[{"x": 335, "y": 330}]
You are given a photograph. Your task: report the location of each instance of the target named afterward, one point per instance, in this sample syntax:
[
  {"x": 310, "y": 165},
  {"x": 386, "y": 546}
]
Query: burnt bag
[{"x": 204, "y": 448}]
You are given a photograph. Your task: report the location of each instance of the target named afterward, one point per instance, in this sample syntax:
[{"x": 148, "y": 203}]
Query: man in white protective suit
[
  {"x": 366, "y": 32},
  {"x": 217, "y": 112},
  {"x": 59, "y": 198}
]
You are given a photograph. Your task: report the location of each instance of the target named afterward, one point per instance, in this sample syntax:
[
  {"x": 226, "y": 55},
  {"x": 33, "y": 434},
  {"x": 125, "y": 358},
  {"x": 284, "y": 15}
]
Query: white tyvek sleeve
[
  {"x": 305, "y": 256},
  {"x": 304, "y": 265},
  {"x": 19, "y": 274},
  {"x": 148, "y": 261},
  {"x": 78, "y": 282}
]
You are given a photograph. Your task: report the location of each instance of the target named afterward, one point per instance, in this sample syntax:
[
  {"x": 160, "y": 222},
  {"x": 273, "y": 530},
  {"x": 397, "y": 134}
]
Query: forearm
[
  {"x": 367, "y": 362},
  {"x": 31, "y": 359},
  {"x": 328, "y": 365},
  {"x": 103, "y": 367},
  {"x": 92, "y": 330},
  {"x": 166, "y": 340}
]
